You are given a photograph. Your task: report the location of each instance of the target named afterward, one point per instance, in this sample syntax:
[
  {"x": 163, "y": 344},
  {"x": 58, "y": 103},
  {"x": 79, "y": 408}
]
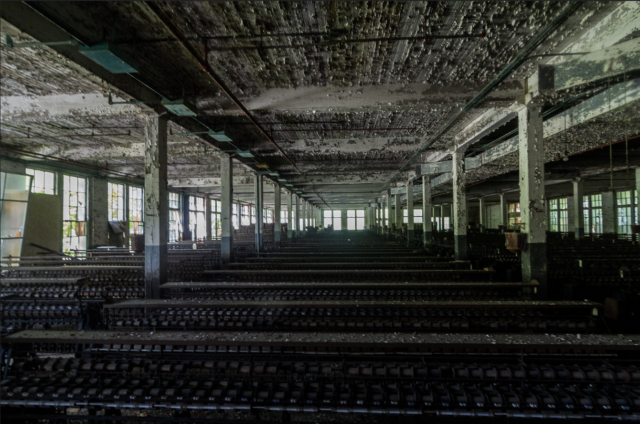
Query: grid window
[
  {"x": 234, "y": 216},
  {"x": 337, "y": 220},
  {"x": 351, "y": 220},
  {"x": 197, "y": 222},
  {"x": 253, "y": 214},
  {"x": 359, "y": 220},
  {"x": 43, "y": 182},
  {"x": 446, "y": 224},
  {"x": 417, "y": 216},
  {"x": 268, "y": 216},
  {"x": 216, "y": 219},
  {"x": 175, "y": 225},
  {"x": 74, "y": 214},
  {"x": 116, "y": 202},
  {"x": 283, "y": 217},
  {"x": 328, "y": 214},
  {"x": 293, "y": 219},
  {"x": 624, "y": 203},
  {"x": 136, "y": 210},
  {"x": 245, "y": 215},
  {"x": 559, "y": 215},
  {"x": 592, "y": 213}
]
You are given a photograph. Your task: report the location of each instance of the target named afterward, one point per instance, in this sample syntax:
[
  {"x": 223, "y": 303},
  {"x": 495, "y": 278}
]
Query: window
[
  {"x": 625, "y": 200},
  {"x": 337, "y": 220},
  {"x": 116, "y": 202},
  {"x": 136, "y": 210},
  {"x": 43, "y": 182},
  {"x": 417, "y": 216},
  {"x": 514, "y": 215},
  {"x": 328, "y": 217},
  {"x": 268, "y": 216},
  {"x": 405, "y": 215},
  {"x": 592, "y": 213},
  {"x": 559, "y": 215},
  {"x": 293, "y": 219},
  {"x": 283, "y": 217},
  {"x": 253, "y": 214},
  {"x": 386, "y": 217},
  {"x": 447, "y": 224},
  {"x": 359, "y": 220},
  {"x": 351, "y": 220},
  {"x": 197, "y": 222},
  {"x": 74, "y": 214},
  {"x": 175, "y": 225},
  {"x": 216, "y": 219},
  {"x": 245, "y": 218},
  {"x": 234, "y": 216}
]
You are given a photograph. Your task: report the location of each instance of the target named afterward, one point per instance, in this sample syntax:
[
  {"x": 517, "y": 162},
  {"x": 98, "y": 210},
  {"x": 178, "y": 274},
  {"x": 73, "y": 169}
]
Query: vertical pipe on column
[
  {"x": 289, "y": 215},
  {"x": 258, "y": 201},
  {"x": 226, "y": 200},
  {"x": 277, "y": 223},
  {"x": 427, "y": 227},
  {"x": 532, "y": 201},
  {"x": 410, "y": 227},
  {"x": 156, "y": 205},
  {"x": 459, "y": 214}
]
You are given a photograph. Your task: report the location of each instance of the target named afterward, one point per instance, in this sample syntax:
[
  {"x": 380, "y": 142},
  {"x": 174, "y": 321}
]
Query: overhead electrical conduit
[
  {"x": 520, "y": 58},
  {"x": 204, "y": 65}
]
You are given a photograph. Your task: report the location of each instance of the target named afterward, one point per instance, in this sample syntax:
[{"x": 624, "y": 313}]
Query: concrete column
[
  {"x": 638, "y": 195},
  {"x": 226, "y": 201},
  {"x": 459, "y": 207},
  {"x": 427, "y": 227},
  {"x": 298, "y": 227},
  {"x": 258, "y": 229},
  {"x": 303, "y": 225},
  {"x": 207, "y": 217},
  {"x": 532, "y": 200},
  {"x": 289, "y": 215},
  {"x": 186, "y": 231},
  {"x": 410, "y": 225},
  {"x": 277, "y": 223},
  {"x": 98, "y": 209},
  {"x": 578, "y": 208},
  {"x": 398, "y": 218},
  {"x": 608, "y": 213},
  {"x": 156, "y": 205},
  {"x": 503, "y": 211},
  {"x": 483, "y": 215}
]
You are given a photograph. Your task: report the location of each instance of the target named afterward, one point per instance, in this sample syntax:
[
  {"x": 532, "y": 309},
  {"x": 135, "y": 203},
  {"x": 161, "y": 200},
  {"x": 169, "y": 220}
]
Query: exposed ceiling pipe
[
  {"x": 204, "y": 65},
  {"x": 520, "y": 58}
]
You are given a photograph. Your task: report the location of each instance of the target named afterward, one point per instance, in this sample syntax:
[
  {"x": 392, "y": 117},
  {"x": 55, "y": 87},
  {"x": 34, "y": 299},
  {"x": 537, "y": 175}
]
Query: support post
[
  {"x": 289, "y": 215},
  {"x": 532, "y": 199},
  {"x": 578, "y": 208},
  {"x": 99, "y": 201},
  {"x": 226, "y": 200},
  {"x": 483, "y": 215},
  {"x": 608, "y": 213},
  {"x": 459, "y": 206},
  {"x": 298, "y": 216},
  {"x": 207, "y": 218},
  {"x": 503, "y": 211},
  {"x": 277, "y": 223},
  {"x": 156, "y": 205},
  {"x": 427, "y": 226},
  {"x": 258, "y": 189},
  {"x": 398, "y": 214},
  {"x": 410, "y": 228},
  {"x": 186, "y": 228}
]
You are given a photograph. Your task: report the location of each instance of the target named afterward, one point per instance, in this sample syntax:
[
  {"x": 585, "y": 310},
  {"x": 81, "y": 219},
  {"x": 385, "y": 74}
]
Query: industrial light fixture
[
  {"x": 180, "y": 107},
  {"x": 108, "y": 56},
  {"x": 566, "y": 156}
]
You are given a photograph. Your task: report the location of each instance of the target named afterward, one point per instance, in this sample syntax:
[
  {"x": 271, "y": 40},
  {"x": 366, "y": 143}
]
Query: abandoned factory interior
[{"x": 356, "y": 212}]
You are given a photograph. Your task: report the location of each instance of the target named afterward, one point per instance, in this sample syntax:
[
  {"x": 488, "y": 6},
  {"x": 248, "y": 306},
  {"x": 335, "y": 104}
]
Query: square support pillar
[
  {"x": 410, "y": 226},
  {"x": 259, "y": 225},
  {"x": 483, "y": 214},
  {"x": 427, "y": 211},
  {"x": 298, "y": 220},
  {"x": 578, "y": 208},
  {"x": 503, "y": 211},
  {"x": 207, "y": 218},
  {"x": 289, "y": 215},
  {"x": 98, "y": 210},
  {"x": 226, "y": 202},
  {"x": 156, "y": 205},
  {"x": 459, "y": 207},
  {"x": 608, "y": 213},
  {"x": 186, "y": 228},
  {"x": 277, "y": 223},
  {"x": 532, "y": 200},
  {"x": 398, "y": 214}
]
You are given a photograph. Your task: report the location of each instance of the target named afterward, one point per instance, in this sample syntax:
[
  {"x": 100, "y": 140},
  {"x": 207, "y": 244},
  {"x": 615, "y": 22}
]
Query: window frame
[
  {"x": 74, "y": 228},
  {"x": 32, "y": 189}
]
